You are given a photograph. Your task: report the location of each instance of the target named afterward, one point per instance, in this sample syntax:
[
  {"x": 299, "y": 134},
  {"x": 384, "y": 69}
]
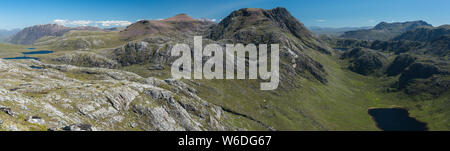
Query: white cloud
[
  {"x": 208, "y": 19},
  {"x": 320, "y": 20},
  {"x": 107, "y": 23},
  {"x": 114, "y": 23},
  {"x": 72, "y": 23}
]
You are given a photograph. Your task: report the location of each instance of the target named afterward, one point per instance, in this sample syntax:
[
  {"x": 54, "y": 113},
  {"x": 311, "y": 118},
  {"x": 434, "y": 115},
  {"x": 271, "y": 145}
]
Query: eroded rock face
[{"x": 83, "y": 99}]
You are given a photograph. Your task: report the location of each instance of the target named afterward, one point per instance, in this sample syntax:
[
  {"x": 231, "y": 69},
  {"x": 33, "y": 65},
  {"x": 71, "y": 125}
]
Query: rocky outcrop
[
  {"x": 397, "y": 47},
  {"x": 425, "y": 77},
  {"x": 87, "y": 59},
  {"x": 418, "y": 71},
  {"x": 133, "y": 53},
  {"x": 364, "y": 61},
  {"x": 400, "y": 63},
  {"x": 440, "y": 47},
  {"x": 82, "y": 99}
]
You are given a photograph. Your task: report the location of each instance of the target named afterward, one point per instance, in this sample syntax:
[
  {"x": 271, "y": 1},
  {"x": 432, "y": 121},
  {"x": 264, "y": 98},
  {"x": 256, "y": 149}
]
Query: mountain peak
[
  {"x": 405, "y": 26},
  {"x": 180, "y": 17},
  {"x": 385, "y": 30},
  {"x": 266, "y": 19}
]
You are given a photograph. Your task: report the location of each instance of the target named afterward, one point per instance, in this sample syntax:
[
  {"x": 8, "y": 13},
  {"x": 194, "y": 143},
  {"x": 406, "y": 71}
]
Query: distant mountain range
[
  {"x": 384, "y": 31},
  {"x": 334, "y": 31},
  {"x": 5, "y": 34},
  {"x": 29, "y": 35},
  {"x": 425, "y": 34}
]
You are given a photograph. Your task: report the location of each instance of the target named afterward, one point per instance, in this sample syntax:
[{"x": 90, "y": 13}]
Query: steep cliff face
[{"x": 29, "y": 35}]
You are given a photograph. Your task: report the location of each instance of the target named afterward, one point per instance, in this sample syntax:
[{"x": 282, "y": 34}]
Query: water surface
[
  {"x": 396, "y": 119},
  {"x": 36, "y": 67},
  {"x": 30, "y": 53},
  {"x": 37, "y": 52},
  {"x": 20, "y": 58}
]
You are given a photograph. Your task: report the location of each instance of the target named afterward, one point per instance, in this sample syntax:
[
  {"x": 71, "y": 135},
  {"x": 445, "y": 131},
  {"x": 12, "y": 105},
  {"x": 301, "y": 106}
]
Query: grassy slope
[
  {"x": 10, "y": 50},
  {"x": 336, "y": 106},
  {"x": 340, "y": 105},
  {"x": 71, "y": 40}
]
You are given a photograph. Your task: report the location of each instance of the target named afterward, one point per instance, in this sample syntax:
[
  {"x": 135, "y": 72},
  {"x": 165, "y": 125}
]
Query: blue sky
[{"x": 325, "y": 13}]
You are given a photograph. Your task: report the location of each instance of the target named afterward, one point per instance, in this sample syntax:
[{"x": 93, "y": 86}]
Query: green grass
[
  {"x": 342, "y": 104},
  {"x": 10, "y": 50},
  {"x": 75, "y": 40}
]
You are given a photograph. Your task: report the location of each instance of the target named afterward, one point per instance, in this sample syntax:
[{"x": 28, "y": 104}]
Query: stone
[
  {"x": 52, "y": 129},
  {"x": 79, "y": 127},
  {"x": 156, "y": 67},
  {"x": 133, "y": 124},
  {"x": 7, "y": 110},
  {"x": 36, "y": 120}
]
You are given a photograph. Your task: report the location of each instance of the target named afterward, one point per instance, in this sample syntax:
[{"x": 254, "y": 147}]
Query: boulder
[
  {"x": 7, "y": 111},
  {"x": 36, "y": 120},
  {"x": 156, "y": 67}
]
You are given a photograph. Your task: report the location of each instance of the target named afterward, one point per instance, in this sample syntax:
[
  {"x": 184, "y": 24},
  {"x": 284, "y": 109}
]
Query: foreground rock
[{"x": 64, "y": 96}]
